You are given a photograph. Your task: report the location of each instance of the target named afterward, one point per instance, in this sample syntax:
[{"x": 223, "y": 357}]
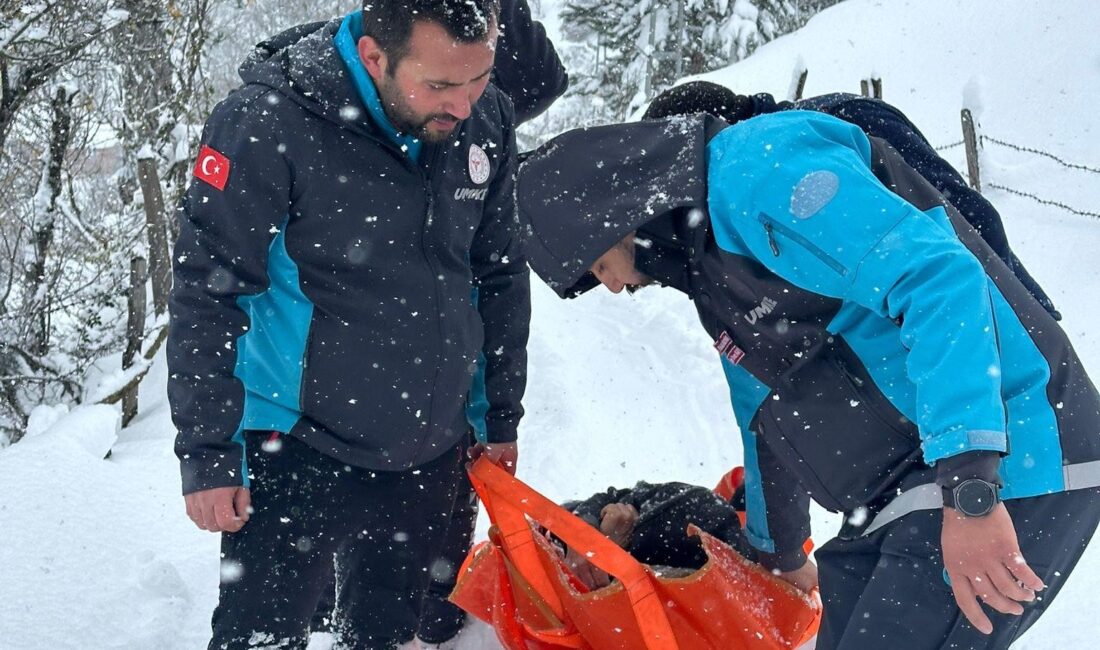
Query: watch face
[{"x": 975, "y": 498}]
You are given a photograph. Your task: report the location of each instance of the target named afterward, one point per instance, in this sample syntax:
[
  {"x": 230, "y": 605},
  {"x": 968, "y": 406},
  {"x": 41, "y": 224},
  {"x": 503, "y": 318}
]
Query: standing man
[
  {"x": 882, "y": 360},
  {"x": 347, "y": 201}
]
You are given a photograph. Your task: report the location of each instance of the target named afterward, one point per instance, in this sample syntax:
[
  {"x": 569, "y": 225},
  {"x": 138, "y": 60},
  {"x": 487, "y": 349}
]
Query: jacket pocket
[
  {"x": 777, "y": 231},
  {"x": 842, "y": 437}
]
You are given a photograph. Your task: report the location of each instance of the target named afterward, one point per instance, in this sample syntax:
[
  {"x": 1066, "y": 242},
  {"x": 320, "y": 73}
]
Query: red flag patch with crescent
[{"x": 212, "y": 167}]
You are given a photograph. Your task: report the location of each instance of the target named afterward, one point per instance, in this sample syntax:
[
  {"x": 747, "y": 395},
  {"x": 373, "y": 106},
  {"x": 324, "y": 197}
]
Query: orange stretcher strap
[{"x": 508, "y": 500}]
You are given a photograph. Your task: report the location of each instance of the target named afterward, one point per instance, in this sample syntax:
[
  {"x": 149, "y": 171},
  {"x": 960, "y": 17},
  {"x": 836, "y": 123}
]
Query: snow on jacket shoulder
[{"x": 324, "y": 288}]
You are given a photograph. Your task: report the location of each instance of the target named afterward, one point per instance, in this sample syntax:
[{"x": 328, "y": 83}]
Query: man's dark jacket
[{"x": 325, "y": 291}]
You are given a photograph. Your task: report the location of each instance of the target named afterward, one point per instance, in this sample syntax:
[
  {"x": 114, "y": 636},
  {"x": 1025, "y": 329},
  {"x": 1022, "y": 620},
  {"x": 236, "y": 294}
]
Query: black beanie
[{"x": 701, "y": 97}]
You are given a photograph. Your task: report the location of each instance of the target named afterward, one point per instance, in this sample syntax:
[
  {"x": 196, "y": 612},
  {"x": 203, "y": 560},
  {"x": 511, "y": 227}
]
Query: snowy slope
[{"x": 99, "y": 554}]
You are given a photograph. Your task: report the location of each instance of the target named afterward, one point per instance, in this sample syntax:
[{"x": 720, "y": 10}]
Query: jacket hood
[
  {"x": 302, "y": 63},
  {"x": 586, "y": 189}
]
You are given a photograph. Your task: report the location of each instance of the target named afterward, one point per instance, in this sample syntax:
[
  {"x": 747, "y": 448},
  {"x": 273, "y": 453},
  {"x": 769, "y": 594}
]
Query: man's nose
[{"x": 460, "y": 103}]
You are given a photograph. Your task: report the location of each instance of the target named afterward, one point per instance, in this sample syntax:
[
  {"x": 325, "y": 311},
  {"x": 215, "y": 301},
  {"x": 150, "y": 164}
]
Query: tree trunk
[
  {"x": 156, "y": 230},
  {"x": 45, "y": 221},
  {"x": 135, "y": 331}
]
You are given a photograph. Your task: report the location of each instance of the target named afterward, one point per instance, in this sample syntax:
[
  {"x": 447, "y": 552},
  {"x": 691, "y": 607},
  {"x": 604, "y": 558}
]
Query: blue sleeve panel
[
  {"x": 271, "y": 354},
  {"x": 795, "y": 190},
  {"x": 776, "y": 507},
  {"x": 1034, "y": 466},
  {"x": 477, "y": 402}
]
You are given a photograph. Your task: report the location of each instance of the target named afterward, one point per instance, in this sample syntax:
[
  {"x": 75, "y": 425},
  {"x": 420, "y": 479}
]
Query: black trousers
[
  {"x": 440, "y": 619},
  {"x": 887, "y": 590},
  {"x": 384, "y": 529}
]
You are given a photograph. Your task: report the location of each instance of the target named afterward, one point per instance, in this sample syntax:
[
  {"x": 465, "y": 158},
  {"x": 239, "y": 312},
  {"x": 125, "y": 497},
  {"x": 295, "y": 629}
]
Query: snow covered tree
[
  {"x": 95, "y": 96},
  {"x": 642, "y": 47}
]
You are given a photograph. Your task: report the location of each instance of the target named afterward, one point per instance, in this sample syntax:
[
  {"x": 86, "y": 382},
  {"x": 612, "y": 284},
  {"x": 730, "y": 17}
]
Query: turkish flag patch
[{"x": 212, "y": 167}]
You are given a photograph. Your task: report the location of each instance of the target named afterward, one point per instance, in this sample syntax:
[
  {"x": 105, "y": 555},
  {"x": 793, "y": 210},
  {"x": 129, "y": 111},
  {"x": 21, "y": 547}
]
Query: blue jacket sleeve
[
  {"x": 799, "y": 195},
  {"x": 503, "y": 289},
  {"x": 879, "y": 119},
  {"x": 221, "y": 255}
]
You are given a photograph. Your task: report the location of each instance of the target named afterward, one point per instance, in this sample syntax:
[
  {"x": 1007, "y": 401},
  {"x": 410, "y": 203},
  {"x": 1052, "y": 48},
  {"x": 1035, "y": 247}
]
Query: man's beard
[{"x": 405, "y": 120}]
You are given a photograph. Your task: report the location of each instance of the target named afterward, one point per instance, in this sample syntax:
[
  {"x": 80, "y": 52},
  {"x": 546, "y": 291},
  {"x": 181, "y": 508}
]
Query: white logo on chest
[
  {"x": 470, "y": 194},
  {"x": 479, "y": 165},
  {"x": 767, "y": 306}
]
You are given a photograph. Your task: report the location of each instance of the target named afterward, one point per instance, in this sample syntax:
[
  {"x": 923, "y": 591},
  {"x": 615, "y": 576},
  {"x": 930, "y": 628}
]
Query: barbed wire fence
[{"x": 973, "y": 141}]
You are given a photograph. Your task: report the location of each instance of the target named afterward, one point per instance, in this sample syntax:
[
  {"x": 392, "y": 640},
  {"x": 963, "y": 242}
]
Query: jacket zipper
[
  {"x": 305, "y": 366},
  {"x": 429, "y": 217},
  {"x": 771, "y": 226}
]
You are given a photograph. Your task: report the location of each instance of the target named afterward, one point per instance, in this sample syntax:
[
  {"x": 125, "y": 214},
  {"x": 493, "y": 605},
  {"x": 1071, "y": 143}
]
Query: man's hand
[
  {"x": 585, "y": 571},
  {"x": 504, "y": 454},
  {"x": 983, "y": 560},
  {"x": 803, "y": 579},
  {"x": 219, "y": 510},
  {"x": 617, "y": 522}
]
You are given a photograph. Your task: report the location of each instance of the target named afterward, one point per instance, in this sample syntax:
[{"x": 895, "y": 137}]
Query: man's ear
[{"x": 372, "y": 57}]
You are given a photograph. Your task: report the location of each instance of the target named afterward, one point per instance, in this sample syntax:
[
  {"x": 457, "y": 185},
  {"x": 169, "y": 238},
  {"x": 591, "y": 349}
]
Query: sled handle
[{"x": 497, "y": 487}]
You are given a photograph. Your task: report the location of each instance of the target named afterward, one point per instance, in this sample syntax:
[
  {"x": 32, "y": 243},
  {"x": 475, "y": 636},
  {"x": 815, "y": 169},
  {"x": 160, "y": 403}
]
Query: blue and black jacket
[
  {"x": 348, "y": 283},
  {"x": 881, "y": 120},
  {"x": 874, "y": 344},
  {"x": 877, "y": 119}
]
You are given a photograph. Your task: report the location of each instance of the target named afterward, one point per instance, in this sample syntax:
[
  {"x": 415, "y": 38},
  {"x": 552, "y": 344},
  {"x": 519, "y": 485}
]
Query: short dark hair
[
  {"x": 390, "y": 22},
  {"x": 701, "y": 97}
]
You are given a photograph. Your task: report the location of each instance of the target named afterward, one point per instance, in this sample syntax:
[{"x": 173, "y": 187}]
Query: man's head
[
  {"x": 429, "y": 59},
  {"x": 700, "y": 97}
]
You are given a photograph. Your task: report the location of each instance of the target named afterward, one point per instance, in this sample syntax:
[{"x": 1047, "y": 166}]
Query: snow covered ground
[{"x": 99, "y": 554}]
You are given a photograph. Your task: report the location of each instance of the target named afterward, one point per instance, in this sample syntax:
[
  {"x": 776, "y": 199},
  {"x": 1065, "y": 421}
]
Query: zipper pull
[
  {"x": 771, "y": 239},
  {"x": 849, "y": 374}
]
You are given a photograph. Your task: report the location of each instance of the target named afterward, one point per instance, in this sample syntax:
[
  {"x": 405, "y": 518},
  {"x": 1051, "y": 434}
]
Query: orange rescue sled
[{"x": 518, "y": 583}]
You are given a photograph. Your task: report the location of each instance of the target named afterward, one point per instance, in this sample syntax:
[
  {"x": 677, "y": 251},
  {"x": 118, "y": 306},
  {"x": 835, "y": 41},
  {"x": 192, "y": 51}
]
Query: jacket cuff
[
  {"x": 205, "y": 471},
  {"x": 501, "y": 433},
  {"x": 961, "y": 441},
  {"x": 984, "y": 465},
  {"x": 782, "y": 560}
]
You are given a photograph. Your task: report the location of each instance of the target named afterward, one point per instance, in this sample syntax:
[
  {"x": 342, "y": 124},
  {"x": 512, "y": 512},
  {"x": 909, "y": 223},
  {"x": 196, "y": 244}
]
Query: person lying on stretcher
[{"x": 650, "y": 521}]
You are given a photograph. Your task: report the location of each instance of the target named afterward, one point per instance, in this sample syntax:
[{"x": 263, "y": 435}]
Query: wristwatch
[{"x": 972, "y": 497}]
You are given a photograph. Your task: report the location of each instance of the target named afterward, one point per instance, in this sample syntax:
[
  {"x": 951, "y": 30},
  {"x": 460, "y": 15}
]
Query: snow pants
[
  {"x": 384, "y": 529},
  {"x": 887, "y": 589},
  {"x": 440, "y": 619}
]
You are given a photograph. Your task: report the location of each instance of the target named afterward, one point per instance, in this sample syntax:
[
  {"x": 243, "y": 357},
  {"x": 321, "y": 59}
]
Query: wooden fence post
[
  {"x": 970, "y": 139},
  {"x": 871, "y": 87},
  {"x": 135, "y": 330}
]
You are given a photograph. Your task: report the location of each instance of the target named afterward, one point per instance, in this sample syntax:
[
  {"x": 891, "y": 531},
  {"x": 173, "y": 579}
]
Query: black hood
[
  {"x": 586, "y": 189},
  {"x": 302, "y": 63}
]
